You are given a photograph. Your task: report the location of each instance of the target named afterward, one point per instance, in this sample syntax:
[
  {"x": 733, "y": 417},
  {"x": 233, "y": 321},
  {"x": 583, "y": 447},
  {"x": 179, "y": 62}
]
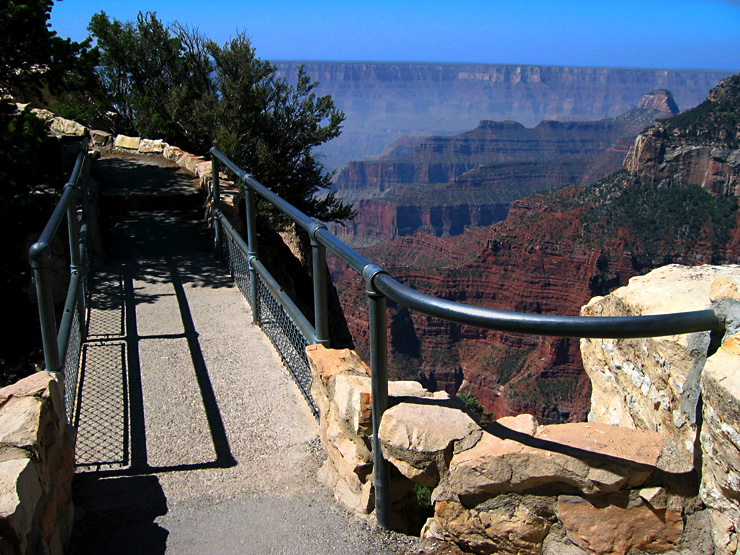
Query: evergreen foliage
[
  {"x": 34, "y": 59},
  {"x": 653, "y": 220},
  {"x": 714, "y": 122},
  {"x": 174, "y": 83},
  {"x": 35, "y": 65}
]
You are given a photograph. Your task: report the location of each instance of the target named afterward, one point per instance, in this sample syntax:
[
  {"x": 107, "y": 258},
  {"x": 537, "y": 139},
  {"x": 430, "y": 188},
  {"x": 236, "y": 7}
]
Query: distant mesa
[
  {"x": 659, "y": 99},
  {"x": 384, "y": 101}
]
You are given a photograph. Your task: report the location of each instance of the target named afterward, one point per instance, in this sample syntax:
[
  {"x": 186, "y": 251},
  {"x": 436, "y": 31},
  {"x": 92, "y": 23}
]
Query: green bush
[{"x": 175, "y": 84}]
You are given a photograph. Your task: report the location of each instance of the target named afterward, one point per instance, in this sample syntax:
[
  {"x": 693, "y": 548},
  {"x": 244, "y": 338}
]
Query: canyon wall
[
  {"x": 699, "y": 147},
  {"x": 554, "y": 251},
  {"x": 471, "y": 178},
  {"x": 386, "y": 100}
]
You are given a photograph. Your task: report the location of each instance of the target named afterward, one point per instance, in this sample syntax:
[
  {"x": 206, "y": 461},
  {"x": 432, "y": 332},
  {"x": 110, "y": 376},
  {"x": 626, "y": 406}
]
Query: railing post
[
  {"x": 85, "y": 272},
  {"x": 75, "y": 254},
  {"x": 320, "y": 296},
  {"x": 379, "y": 389},
  {"x": 39, "y": 256},
  {"x": 216, "y": 193},
  {"x": 252, "y": 252}
]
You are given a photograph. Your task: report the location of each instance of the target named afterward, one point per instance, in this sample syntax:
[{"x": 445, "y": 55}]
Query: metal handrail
[
  {"x": 55, "y": 342},
  {"x": 379, "y": 285}
]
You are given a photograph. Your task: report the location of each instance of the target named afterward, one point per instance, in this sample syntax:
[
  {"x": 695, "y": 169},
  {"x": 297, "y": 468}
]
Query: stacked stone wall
[
  {"x": 36, "y": 467},
  {"x": 685, "y": 386},
  {"x": 655, "y": 470}
]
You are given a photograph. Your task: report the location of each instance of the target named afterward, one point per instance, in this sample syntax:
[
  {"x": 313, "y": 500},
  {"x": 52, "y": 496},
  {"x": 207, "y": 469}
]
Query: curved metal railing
[
  {"x": 62, "y": 346},
  {"x": 379, "y": 285}
]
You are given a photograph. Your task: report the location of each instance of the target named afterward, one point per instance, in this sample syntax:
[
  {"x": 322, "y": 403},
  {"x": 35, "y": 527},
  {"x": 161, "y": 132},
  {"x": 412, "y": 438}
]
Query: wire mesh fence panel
[
  {"x": 274, "y": 320},
  {"x": 106, "y": 307},
  {"x": 102, "y": 419},
  {"x": 288, "y": 340},
  {"x": 236, "y": 260},
  {"x": 70, "y": 369}
]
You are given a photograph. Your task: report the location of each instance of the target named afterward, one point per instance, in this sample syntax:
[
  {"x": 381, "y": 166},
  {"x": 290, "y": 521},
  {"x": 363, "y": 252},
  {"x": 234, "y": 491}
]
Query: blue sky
[{"x": 627, "y": 33}]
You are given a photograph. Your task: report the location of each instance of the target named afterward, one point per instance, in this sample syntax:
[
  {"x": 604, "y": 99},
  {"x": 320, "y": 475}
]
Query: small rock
[{"x": 125, "y": 142}]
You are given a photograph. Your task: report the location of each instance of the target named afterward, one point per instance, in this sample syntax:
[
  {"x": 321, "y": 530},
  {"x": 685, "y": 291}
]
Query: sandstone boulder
[
  {"x": 420, "y": 439},
  {"x": 127, "y": 143},
  {"x": 720, "y": 439},
  {"x": 67, "y": 127},
  {"x": 506, "y": 524},
  {"x": 330, "y": 362},
  {"x": 616, "y": 525},
  {"x": 172, "y": 152},
  {"x": 36, "y": 467},
  {"x": 590, "y": 457},
  {"x": 189, "y": 162},
  {"x": 151, "y": 146},
  {"x": 652, "y": 384},
  {"x": 100, "y": 139}
]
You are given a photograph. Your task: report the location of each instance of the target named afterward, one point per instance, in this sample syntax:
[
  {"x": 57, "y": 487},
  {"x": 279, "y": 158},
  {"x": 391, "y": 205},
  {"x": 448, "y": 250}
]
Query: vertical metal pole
[
  {"x": 73, "y": 235},
  {"x": 320, "y": 297},
  {"x": 216, "y": 192},
  {"x": 252, "y": 253},
  {"x": 75, "y": 257},
  {"x": 84, "y": 271},
  {"x": 379, "y": 387},
  {"x": 39, "y": 256}
]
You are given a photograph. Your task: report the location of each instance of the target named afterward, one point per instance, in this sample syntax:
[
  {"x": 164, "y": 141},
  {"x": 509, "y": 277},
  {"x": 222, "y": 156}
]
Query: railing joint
[
  {"x": 314, "y": 228},
  {"x": 369, "y": 273},
  {"x": 39, "y": 255}
]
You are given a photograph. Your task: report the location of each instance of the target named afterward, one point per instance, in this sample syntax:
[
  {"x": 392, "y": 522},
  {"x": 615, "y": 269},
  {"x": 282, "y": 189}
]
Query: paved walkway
[{"x": 192, "y": 436}]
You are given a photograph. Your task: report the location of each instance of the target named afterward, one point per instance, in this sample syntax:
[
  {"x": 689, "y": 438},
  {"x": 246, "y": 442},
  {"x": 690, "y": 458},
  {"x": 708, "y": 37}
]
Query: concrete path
[{"x": 193, "y": 438}]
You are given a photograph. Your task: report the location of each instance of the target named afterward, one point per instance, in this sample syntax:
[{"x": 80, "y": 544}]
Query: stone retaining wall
[
  {"x": 671, "y": 385},
  {"x": 197, "y": 166},
  {"x": 36, "y": 467},
  {"x": 654, "y": 471}
]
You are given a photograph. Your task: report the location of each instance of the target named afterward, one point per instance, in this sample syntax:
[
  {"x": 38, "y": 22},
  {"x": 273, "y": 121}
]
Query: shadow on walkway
[{"x": 155, "y": 256}]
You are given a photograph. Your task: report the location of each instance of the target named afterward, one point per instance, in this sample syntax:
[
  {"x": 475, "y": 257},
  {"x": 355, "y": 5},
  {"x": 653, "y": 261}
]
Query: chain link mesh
[
  {"x": 288, "y": 340},
  {"x": 236, "y": 260},
  {"x": 102, "y": 433},
  {"x": 274, "y": 320},
  {"x": 71, "y": 367}
]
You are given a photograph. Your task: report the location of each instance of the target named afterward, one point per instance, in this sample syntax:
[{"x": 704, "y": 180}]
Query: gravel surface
[{"x": 217, "y": 451}]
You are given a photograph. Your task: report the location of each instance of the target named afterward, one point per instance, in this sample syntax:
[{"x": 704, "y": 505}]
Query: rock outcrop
[
  {"x": 700, "y": 147},
  {"x": 653, "y": 384},
  {"x": 36, "y": 467},
  {"x": 683, "y": 387},
  {"x": 659, "y": 162}
]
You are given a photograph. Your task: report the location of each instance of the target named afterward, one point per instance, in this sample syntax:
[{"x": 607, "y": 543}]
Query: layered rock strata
[
  {"x": 444, "y": 184},
  {"x": 659, "y": 161},
  {"x": 385, "y": 100}
]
